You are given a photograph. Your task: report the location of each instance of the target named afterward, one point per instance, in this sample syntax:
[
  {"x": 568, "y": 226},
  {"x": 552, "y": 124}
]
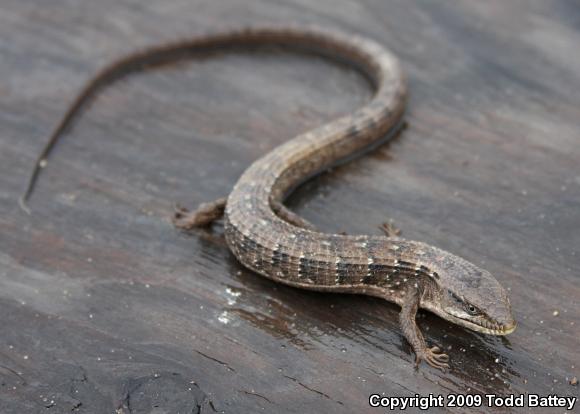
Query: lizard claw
[
  {"x": 181, "y": 218},
  {"x": 434, "y": 357},
  {"x": 389, "y": 229},
  {"x": 204, "y": 215},
  {"x": 179, "y": 211}
]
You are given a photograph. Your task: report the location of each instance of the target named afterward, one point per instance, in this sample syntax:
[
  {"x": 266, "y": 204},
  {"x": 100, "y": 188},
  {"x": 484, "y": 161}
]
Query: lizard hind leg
[
  {"x": 203, "y": 216},
  {"x": 292, "y": 217},
  {"x": 390, "y": 229}
]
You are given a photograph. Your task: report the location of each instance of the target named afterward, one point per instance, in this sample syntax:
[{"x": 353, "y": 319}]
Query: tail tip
[{"x": 23, "y": 206}]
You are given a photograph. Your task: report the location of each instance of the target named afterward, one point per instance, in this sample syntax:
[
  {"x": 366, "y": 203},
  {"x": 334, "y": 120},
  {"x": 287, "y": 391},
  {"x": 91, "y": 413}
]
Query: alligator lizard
[{"x": 276, "y": 243}]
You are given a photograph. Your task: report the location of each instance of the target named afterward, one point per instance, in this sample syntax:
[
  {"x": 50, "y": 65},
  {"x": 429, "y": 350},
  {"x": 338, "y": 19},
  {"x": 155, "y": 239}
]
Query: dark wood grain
[{"x": 106, "y": 307}]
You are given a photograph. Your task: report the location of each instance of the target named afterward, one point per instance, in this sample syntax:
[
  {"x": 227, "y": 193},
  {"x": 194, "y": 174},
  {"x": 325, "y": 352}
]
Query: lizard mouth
[
  {"x": 494, "y": 329},
  {"x": 486, "y": 327}
]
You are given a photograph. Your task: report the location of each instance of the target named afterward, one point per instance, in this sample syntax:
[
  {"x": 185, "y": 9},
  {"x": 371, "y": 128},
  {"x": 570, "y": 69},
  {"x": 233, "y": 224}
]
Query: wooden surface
[{"x": 105, "y": 307}]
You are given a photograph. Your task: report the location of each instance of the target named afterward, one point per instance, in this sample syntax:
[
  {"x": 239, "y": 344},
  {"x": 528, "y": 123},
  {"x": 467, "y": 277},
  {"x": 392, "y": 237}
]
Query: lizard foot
[
  {"x": 389, "y": 229},
  {"x": 203, "y": 216},
  {"x": 434, "y": 357}
]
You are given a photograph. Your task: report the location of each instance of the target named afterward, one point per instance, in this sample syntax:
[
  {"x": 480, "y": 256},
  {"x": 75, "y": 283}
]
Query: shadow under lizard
[{"x": 278, "y": 244}]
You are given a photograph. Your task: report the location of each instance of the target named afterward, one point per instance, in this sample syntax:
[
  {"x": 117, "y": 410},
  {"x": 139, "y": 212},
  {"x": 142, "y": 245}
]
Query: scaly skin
[{"x": 278, "y": 244}]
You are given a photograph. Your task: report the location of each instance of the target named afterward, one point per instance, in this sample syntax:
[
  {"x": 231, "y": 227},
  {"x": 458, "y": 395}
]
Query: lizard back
[{"x": 271, "y": 246}]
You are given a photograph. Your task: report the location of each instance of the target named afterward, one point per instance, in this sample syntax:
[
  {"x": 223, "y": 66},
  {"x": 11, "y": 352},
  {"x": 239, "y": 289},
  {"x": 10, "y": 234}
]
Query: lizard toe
[{"x": 434, "y": 358}]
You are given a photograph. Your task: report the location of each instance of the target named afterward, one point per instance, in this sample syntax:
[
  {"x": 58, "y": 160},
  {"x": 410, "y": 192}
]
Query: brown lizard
[{"x": 276, "y": 243}]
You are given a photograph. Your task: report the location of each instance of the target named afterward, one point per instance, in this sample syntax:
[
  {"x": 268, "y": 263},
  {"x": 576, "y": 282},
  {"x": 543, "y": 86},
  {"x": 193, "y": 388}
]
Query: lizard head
[{"x": 471, "y": 297}]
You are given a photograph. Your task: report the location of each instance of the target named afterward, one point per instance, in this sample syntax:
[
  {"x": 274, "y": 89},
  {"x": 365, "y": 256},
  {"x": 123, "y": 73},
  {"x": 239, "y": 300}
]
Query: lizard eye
[{"x": 472, "y": 310}]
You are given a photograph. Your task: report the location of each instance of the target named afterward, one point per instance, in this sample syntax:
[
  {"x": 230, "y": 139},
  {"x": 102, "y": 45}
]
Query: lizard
[{"x": 274, "y": 242}]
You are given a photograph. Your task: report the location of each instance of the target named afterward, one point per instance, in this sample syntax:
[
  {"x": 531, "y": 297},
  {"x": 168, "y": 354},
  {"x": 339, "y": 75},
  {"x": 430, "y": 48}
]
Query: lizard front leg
[
  {"x": 203, "y": 216},
  {"x": 411, "y": 331}
]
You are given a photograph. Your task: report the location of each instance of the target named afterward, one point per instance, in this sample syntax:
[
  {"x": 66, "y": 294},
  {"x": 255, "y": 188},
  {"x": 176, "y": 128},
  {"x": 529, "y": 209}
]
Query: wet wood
[{"x": 106, "y": 307}]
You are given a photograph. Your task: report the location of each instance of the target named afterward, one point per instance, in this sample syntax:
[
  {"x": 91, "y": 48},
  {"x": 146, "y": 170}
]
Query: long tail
[{"x": 302, "y": 38}]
